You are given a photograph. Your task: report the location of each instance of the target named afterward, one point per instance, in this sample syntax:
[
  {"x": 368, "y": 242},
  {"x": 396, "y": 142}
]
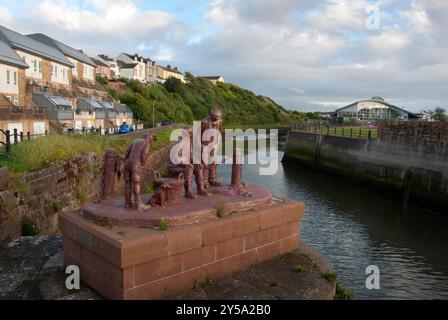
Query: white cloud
[{"x": 5, "y": 15}]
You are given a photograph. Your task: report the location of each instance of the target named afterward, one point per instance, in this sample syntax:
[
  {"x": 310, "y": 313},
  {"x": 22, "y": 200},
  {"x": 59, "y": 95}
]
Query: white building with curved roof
[{"x": 374, "y": 109}]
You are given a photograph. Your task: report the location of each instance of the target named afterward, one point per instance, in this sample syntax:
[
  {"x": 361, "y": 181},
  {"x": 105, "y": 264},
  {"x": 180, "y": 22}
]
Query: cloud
[
  {"x": 5, "y": 15},
  {"x": 305, "y": 54}
]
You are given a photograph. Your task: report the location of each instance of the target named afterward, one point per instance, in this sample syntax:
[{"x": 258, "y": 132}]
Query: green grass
[
  {"x": 354, "y": 132},
  {"x": 163, "y": 225},
  {"x": 43, "y": 152},
  {"x": 343, "y": 293},
  {"x": 220, "y": 205},
  {"x": 330, "y": 276},
  {"x": 299, "y": 268}
]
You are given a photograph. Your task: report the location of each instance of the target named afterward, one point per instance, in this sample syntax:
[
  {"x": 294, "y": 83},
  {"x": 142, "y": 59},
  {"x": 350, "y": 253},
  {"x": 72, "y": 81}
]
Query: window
[
  {"x": 63, "y": 74},
  {"x": 40, "y": 67},
  {"x": 8, "y": 77},
  {"x": 55, "y": 71},
  {"x": 15, "y": 78},
  {"x": 35, "y": 66}
]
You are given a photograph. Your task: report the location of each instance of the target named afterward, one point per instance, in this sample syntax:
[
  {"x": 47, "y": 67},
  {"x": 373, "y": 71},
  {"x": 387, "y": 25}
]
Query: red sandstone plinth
[
  {"x": 124, "y": 262},
  {"x": 186, "y": 211}
]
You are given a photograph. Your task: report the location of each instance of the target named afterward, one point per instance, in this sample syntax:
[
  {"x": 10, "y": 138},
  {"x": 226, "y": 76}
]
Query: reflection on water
[{"x": 356, "y": 228}]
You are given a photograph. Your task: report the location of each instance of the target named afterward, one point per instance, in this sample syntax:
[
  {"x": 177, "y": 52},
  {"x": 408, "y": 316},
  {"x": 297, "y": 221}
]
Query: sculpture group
[{"x": 167, "y": 190}]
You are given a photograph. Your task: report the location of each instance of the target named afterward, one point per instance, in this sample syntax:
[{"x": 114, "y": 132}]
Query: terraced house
[{"x": 55, "y": 81}]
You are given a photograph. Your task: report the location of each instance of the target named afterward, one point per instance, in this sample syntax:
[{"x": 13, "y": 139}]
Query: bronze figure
[
  {"x": 212, "y": 121},
  {"x": 187, "y": 168},
  {"x": 135, "y": 158}
]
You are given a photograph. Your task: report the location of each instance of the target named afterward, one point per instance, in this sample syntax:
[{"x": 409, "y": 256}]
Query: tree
[
  {"x": 440, "y": 114},
  {"x": 174, "y": 85}
]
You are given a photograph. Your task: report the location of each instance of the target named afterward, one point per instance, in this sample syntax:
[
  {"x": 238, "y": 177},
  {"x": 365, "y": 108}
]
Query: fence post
[
  {"x": 8, "y": 140},
  {"x": 15, "y": 136},
  {"x": 335, "y": 129},
  {"x": 351, "y": 132},
  {"x": 370, "y": 133},
  {"x": 360, "y": 130},
  {"x": 83, "y": 130},
  {"x": 343, "y": 131},
  {"x": 28, "y": 136},
  {"x": 21, "y": 136},
  {"x": 46, "y": 132}
]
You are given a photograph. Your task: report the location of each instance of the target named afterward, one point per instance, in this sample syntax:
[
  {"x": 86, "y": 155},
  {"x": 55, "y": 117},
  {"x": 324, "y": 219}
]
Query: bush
[
  {"x": 102, "y": 80},
  {"x": 29, "y": 227}
]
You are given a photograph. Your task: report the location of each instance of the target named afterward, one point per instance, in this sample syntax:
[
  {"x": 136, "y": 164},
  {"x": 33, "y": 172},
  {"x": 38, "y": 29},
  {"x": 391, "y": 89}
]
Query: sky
[{"x": 308, "y": 55}]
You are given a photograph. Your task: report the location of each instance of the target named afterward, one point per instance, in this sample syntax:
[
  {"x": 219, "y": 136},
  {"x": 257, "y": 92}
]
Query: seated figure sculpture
[
  {"x": 135, "y": 158},
  {"x": 187, "y": 168},
  {"x": 212, "y": 121}
]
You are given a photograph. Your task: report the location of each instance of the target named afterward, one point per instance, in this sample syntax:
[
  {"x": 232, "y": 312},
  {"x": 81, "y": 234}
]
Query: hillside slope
[{"x": 184, "y": 103}]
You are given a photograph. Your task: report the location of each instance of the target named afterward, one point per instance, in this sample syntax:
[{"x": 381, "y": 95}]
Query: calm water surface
[{"x": 356, "y": 228}]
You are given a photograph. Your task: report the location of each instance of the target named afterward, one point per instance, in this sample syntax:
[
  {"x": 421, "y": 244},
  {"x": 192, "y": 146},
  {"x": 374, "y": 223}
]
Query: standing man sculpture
[
  {"x": 213, "y": 121},
  {"x": 187, "y": 167},
  {"x": 135, "y": 157}
]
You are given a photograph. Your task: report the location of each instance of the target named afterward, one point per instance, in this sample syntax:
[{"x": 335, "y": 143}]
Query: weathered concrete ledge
[{"x": 416, "y": 173}]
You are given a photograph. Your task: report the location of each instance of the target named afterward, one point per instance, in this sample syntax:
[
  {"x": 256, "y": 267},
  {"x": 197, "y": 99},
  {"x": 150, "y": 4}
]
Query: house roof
[
  {"x": 210, "y": 77},
  {"x": 105, "y": 57},
  {"x": 121, "y": 107},
  {"x": 379, "y": 100},
  {"x": 99, "y": 62},
  {"x": 124, "y": 65},
  {"x": 20, "y": 42},
  {"x": 171, "y": 70},
  {"x": 67, "y": 50},
  {"x": 8, "y": 56}
]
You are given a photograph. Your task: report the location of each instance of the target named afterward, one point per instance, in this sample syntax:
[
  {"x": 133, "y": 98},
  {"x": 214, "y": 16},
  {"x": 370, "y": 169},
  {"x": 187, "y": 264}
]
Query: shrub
[{"x": 29, "y": 227}]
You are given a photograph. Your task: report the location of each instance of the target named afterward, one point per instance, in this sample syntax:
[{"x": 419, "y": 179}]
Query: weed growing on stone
[
  {"x": 29, "y": 227},
  {"x": 220, "y": 209},
  {"x": 343, "y": 293},
  {"x": 330, "y": 276},
  {"x": 163, "y": 224},
  {"x": 210, "y": 280},
  {"x": 57, "y": 206},
  {"x": 299, "y": 268}
]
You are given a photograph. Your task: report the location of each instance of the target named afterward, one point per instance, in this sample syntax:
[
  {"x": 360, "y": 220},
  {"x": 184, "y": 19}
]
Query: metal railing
[{"x": 323, "y": 128}]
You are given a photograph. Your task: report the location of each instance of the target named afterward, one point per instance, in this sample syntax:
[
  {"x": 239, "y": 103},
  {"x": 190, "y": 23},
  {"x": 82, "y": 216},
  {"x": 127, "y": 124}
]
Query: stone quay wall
[
  {"x": 144, "y": 263},
  {"x": 62, "y": 187},
  {"x": 417, "y": 172}
]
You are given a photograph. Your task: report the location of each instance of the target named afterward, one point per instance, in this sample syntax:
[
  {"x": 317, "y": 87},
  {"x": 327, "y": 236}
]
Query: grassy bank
[
  {"x": 40, "y": 153},
  {"x": 185, "y": 102}
]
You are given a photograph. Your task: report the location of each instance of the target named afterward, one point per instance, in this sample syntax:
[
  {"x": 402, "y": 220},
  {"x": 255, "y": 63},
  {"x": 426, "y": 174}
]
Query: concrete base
[{"x": 122, "y": 262}]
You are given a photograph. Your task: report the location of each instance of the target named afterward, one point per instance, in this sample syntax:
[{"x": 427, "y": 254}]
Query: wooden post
[
  {"x": 343, "y": 131},
  {"x": 370, "y": 133},
  {"x": 15, "y": 136},
  {"x": 46, "y": 132},
  {"x": 21, "y": 136},
  {"x": 351, "y": 132},
  {"x": 28, "y": 136},
  {"x": 8, "y": 140}
]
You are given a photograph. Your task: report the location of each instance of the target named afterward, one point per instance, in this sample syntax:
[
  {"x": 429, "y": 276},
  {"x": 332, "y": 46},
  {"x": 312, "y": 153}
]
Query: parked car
[
  {"x": 166, "y": 122},
  {"x": 125, "y": 128}
]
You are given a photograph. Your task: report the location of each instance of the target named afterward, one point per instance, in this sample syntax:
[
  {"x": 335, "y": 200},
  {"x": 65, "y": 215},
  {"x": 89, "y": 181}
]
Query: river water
[{"x": 356, "y": 228}]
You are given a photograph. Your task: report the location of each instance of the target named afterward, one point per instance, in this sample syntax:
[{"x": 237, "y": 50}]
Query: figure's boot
[
  {"x": 201, "y": 190},
  {"x": 200, "y": 180},
  {"x": 213, "y": 179},
  {"x": 189, "y": 191},
  {"x": 138, "y": 198}
]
